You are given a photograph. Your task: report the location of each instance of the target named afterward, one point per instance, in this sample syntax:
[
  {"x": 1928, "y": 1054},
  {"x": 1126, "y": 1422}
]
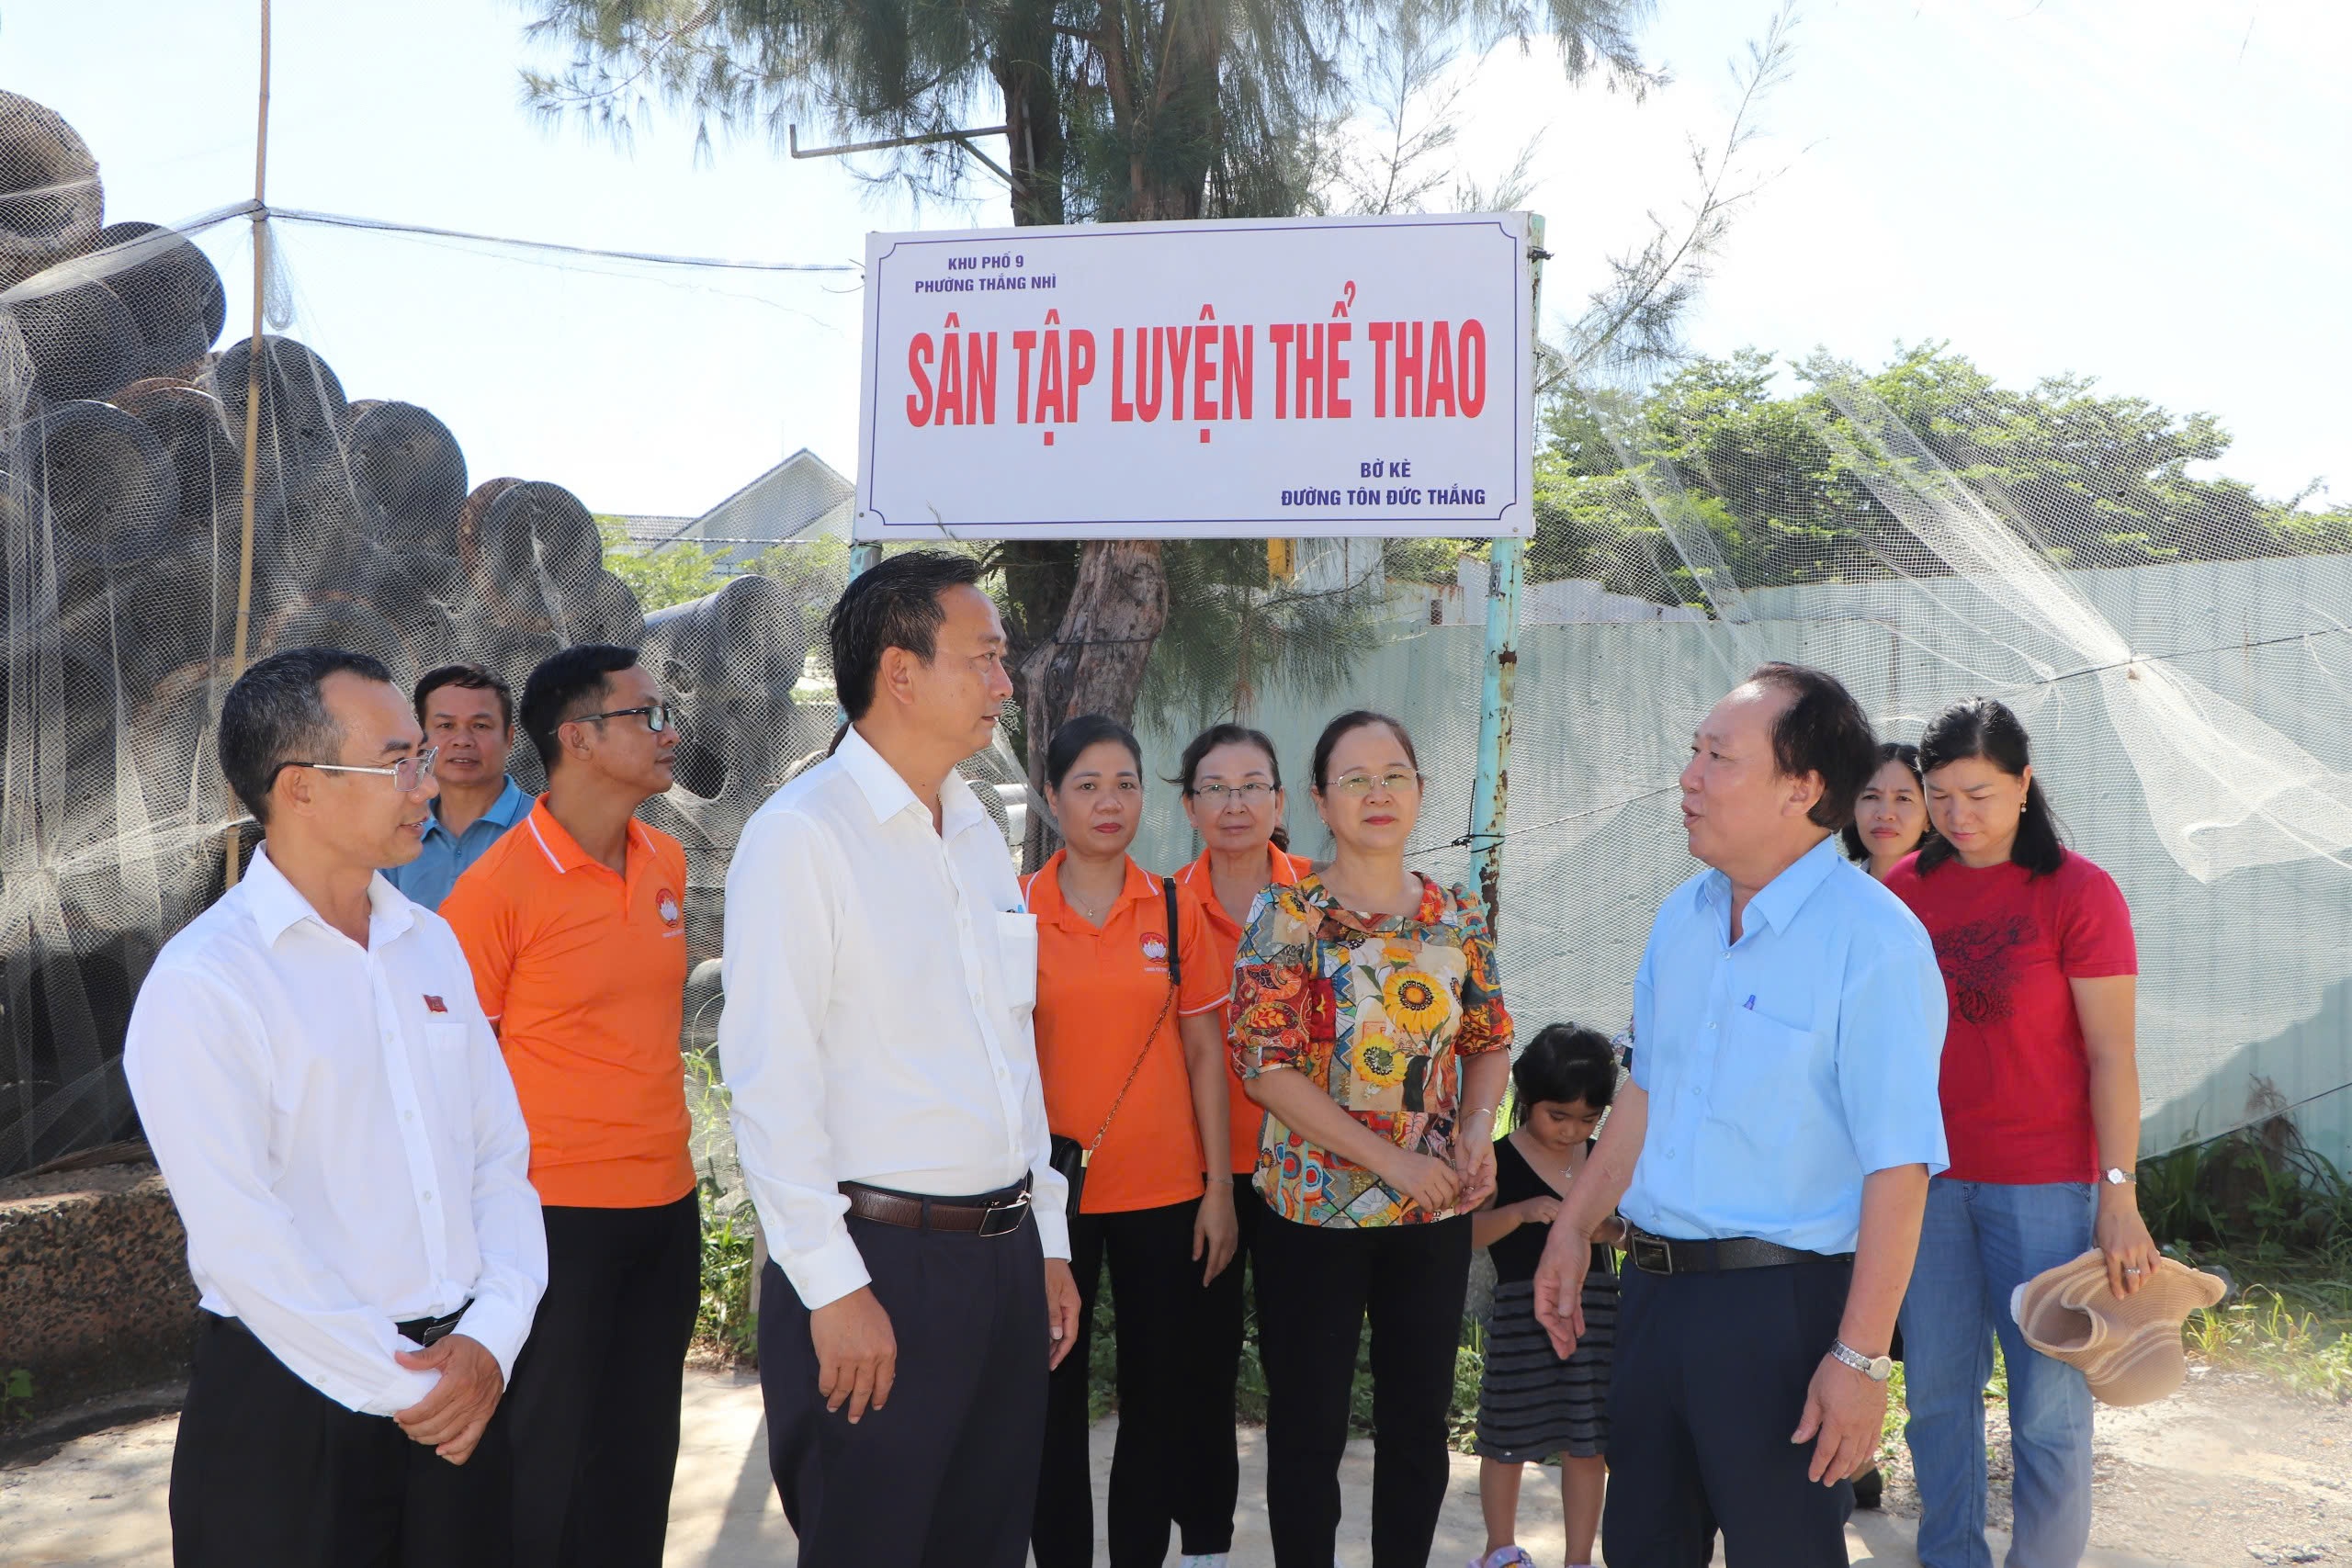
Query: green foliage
[
  {"x": 1234, "y": 635},
  {"x": 2261, "y": 1207},
  {"x": 15, "y": 1394},
  {"x": 724, "y": 1324},
  {"x": 1771, "y": 473},
  {"x": 810, "y": 570},
  {"x": 660, "y": 578}
]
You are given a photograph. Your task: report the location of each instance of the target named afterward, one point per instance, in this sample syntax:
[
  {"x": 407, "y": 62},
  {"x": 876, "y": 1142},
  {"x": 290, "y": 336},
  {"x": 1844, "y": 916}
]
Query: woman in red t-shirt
[{"x": 2041, "y": 1110}]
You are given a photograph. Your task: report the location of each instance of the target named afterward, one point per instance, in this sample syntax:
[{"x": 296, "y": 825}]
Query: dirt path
[{"x": 2232, "y": 1470}]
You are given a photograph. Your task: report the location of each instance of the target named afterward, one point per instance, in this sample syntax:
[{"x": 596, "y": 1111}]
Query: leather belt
[
  {"x": 419, "y": 1331},
  {"x": 988, "y": 1214},
  {"x": 430, "y": 1330},
  {"x": 1665, "y": 1255}
]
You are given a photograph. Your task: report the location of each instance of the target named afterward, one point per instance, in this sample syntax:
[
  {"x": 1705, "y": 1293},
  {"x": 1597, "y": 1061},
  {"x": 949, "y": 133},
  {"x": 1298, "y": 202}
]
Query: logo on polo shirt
[
  {"x": 1155, "y": 951},
  {"x": 666, "y": 905}
]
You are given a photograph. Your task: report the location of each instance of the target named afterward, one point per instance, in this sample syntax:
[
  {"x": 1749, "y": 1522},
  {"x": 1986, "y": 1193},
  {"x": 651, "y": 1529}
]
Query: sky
[{"x": 2151, "y": 193}]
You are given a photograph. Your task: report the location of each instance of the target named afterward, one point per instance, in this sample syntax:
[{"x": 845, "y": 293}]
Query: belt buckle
[
  {"x": 1016, "y": 1210},
  {"x": 1650, "y": 1254}
]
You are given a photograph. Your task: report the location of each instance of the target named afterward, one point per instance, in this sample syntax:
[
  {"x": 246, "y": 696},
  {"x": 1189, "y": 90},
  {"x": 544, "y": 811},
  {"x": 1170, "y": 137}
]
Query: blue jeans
[{"x": 1981, "y": 1241}]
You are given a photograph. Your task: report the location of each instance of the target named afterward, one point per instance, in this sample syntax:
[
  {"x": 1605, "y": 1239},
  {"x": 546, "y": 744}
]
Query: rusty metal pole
[{"x": 1490, "y": 797}]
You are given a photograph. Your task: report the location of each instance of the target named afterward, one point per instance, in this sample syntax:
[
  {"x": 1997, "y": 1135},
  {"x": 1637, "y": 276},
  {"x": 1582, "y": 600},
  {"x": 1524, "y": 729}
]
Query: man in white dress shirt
[
  {"x": 880, "y": 972},
  {"x": 331, "y": 1112}
]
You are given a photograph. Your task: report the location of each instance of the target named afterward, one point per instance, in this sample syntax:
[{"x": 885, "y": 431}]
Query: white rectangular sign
[{"x": 1280, "y": 378}]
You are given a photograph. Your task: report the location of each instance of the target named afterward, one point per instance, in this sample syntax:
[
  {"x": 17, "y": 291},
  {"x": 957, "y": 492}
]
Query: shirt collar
[
  {"x": 278, "y": 906},
  {"x": 887, "y": 793},
  {"x": 513, "y": 802},
  {"x": 563, "y": 850},
  {"x": 1429, "y": 911},
  {"x": 1281, "y": 868},
  {"x": 1043, "y": 892},
  {"x": 1777, "y": 901}
]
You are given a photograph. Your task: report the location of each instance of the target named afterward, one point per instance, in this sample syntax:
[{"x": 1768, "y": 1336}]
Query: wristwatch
[
  {"x": 2116, "y": 1175},
  {"x": 1878, "y": 1369}
]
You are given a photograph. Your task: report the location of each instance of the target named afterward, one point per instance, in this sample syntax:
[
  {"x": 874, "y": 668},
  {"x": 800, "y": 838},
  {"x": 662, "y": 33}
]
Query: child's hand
[{"x": 1537, "y": 1210}]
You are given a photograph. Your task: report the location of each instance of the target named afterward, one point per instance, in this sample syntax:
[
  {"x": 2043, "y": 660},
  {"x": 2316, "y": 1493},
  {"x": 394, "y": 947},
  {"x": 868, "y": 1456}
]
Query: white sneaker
[{"x": 1504, "y": 1557}]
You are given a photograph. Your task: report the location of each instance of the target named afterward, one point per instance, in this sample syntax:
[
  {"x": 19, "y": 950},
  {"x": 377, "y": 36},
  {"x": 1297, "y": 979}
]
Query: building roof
[{"x": 800, "y": 496}]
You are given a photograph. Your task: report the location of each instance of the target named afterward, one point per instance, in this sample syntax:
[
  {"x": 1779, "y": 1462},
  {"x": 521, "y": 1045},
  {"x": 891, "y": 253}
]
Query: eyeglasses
[
  {"x": 1250, "y": 794},
  {"x": 657, "y": 715},
  {"x": 407, "y": 774},
  {"x": 1361, "y": 784}
]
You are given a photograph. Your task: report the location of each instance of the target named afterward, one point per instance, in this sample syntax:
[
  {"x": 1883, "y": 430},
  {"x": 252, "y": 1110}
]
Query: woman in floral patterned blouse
[{"x": 1368, "y": 1022}]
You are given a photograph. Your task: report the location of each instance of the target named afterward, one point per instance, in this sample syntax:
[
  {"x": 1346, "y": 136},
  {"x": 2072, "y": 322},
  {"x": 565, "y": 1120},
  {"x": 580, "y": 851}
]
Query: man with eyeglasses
[
  {"x": 575, "y": 925},
  {"x": 345, "y": 1149}
]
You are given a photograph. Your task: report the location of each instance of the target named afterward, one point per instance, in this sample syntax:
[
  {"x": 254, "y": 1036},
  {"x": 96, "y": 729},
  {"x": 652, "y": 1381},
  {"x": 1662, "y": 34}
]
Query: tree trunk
[
  {"x": 1034, "y": 141},
  {"x": 1094, "y": 661}
]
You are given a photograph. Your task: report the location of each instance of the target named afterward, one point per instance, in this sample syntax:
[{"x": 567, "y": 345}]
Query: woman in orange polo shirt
[
  {"x": 1130, "y": 1052},
  {"x": 1233, "y": 797}
]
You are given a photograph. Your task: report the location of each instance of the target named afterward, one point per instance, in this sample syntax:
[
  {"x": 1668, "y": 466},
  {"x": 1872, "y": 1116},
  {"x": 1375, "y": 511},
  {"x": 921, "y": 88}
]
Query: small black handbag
[{"x": 1068, "y": 1156}]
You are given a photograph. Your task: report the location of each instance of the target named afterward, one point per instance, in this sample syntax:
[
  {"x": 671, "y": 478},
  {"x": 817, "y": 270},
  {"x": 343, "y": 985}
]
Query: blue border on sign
[{"x": 936, "y": 529}]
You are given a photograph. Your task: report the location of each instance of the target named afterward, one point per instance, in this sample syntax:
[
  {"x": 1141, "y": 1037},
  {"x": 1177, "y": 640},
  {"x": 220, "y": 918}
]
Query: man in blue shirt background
[
  {"x": 469, "y": 714},
  {"x": 1771, "y": 1153}
]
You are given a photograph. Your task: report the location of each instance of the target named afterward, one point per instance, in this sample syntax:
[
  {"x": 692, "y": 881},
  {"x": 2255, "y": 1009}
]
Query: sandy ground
[{"x": 2231, "y": 1470}]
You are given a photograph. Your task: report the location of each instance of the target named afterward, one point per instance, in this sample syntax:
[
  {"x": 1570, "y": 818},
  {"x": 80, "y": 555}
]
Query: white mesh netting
[{"x": 2172, "y": 642}]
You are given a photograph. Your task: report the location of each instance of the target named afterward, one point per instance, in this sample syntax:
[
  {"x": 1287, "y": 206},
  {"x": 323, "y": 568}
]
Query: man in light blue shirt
[
  {"x": 469, "y": 714},
  {"x": 1771, "y": 1154}
]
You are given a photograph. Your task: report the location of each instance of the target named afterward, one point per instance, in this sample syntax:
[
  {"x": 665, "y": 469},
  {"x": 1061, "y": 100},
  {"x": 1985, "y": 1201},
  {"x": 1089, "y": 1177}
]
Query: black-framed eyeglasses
[
  {"x": 657, "y": 717},
  {"x": 407, "y": 774}
]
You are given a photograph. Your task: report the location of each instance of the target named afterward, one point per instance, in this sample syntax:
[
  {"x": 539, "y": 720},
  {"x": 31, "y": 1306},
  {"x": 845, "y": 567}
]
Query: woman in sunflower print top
[{"x": 1367, "y": 1021}]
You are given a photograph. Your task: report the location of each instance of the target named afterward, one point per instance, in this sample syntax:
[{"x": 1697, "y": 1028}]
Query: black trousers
[
  {"x": 946, "y": 1475},
  {"x": 1162, "y": 1308},
  {"x": 1710, "y": 1379},
  {"x": 593, "y": 1409},
  {"x": 1209, "y": 1460},
  {"x": 1316, "y": 1286},
  {"x": 268, "y": 1470}
]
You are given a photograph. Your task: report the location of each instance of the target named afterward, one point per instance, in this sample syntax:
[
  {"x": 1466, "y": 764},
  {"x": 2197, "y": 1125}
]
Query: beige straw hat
[{"x": 2129, "y": 1349}]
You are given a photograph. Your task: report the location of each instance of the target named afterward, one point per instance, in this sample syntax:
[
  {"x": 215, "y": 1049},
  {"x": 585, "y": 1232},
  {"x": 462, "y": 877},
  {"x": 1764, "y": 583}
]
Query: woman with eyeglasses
[
  {"x": 1232, "y": 787},
  {"x": 1129, "y": 1052},
  {"x": 1369, "y": 1023}
]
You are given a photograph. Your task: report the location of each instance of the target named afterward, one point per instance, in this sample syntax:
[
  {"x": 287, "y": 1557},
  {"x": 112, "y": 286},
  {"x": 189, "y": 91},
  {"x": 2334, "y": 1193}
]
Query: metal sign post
[{"x": 1490, "y": 795}]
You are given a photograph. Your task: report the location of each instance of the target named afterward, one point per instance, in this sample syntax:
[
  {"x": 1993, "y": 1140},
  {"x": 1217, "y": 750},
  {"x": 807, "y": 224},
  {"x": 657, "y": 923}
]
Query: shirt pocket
[
  {"x": 1763, "y": 1086},
  {"x": 1016, "y": 947}
]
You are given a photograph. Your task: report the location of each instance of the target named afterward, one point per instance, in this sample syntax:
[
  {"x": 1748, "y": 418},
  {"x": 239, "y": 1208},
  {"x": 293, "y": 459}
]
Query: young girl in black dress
[{"x": 1531, "y": 1404}]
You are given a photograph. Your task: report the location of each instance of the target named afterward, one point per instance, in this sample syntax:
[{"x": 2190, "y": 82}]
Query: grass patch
[
  {"x": 725, "y": 1327},
  {"x": 2264, "y": 1208}
]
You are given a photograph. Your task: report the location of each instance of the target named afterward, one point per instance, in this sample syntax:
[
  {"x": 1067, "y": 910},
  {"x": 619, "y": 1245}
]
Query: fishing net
[
  {"x": 124, "y": 494},
  {"x": 2172, "y": 642},
  {"x": 2174, "y": 646}
]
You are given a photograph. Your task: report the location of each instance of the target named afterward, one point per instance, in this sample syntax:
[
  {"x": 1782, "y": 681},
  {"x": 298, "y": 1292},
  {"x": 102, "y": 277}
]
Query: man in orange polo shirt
[{"x": 574, "y": 925}]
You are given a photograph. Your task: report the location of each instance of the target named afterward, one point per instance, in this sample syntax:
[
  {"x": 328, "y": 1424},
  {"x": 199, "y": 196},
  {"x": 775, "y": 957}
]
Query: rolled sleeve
[
  {"x": 778, "y": 974},
  {"x": 1890, "y": 1049}
]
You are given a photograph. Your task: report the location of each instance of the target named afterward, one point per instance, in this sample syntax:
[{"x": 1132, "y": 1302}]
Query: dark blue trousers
[
  {"x": 946, "y": 1475},
  {"x": 1709, "y": 1381}
]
